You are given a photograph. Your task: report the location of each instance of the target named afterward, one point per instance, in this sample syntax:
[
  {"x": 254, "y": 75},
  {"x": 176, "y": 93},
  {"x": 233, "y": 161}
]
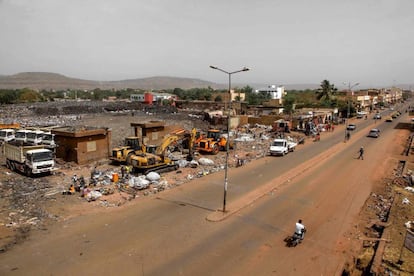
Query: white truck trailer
[{"x": 29, "y": 160}]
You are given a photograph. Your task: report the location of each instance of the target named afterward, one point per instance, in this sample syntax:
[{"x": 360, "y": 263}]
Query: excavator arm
[{"x": 168, "y": 140}]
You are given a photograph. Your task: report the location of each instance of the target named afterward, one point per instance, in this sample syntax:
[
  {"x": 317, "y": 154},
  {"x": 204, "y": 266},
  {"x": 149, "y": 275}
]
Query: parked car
[
  {"x": 351, "y": 127},
  {"x": 374, "y": 133}
]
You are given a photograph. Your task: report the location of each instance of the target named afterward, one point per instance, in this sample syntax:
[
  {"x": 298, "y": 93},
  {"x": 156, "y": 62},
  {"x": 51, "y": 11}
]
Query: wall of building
[
  {"x": 91, "y": 149},
  {"x": 83, "y": 149}
]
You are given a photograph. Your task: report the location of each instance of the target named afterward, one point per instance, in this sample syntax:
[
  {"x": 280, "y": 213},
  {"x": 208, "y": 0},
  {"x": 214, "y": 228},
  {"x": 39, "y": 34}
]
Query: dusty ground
[
  {"x": 378, "y": 234},
  {"x": 34, "y": 204}
]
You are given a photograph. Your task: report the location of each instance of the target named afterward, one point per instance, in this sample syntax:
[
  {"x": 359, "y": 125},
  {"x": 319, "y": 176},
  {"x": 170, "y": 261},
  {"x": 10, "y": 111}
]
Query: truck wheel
[{"x": 28, "y": 172}]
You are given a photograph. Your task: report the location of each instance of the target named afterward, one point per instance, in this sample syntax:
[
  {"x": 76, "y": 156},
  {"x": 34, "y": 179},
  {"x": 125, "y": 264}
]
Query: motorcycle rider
[{"x": 300, "y": 229}]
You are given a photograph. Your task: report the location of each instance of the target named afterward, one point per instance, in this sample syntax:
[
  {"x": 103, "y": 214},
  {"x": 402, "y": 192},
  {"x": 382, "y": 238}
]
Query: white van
[
  {"x": 21, "y": 135},
  {"x": 34, "y": 137},
  {"x": 6, "y": 135}
]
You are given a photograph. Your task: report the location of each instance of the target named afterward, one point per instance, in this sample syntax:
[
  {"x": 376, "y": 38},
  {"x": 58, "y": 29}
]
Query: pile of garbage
[{"x": 24, "y": 198}]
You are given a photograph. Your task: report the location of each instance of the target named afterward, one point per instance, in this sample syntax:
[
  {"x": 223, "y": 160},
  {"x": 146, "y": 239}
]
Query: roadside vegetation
[{"x": 327, "y": 96}]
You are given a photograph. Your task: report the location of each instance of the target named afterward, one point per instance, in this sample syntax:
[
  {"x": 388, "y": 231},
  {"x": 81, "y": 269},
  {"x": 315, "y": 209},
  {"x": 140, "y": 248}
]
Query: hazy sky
[{"x": 281, "y": 41}]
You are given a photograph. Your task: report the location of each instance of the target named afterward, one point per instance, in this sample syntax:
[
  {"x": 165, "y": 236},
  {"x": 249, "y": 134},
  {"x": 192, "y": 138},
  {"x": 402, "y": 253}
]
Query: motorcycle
[{"x": 295, "y": 239}]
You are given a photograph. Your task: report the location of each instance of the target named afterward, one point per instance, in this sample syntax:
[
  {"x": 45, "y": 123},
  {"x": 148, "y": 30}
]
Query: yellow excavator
[{"x": 152, "y": 158}]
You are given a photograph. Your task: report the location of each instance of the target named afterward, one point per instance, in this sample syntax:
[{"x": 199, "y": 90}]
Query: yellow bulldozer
[
  {"x": 121, "y": 154},
  {"x": 213, "y": 142}
]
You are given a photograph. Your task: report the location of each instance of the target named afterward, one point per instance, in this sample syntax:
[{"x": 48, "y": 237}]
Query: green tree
[
  {"x": 254, "y": 98},
  {"x": 326, "y": 92},
  {"x": 288, "y": 102},
  {"x": 28, "y": 95},
  {"x": 8, "y": 96},
  {"x": 246, "y": 89}
]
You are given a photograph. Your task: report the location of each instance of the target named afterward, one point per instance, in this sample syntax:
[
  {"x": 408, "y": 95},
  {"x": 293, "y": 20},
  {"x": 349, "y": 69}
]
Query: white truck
[
  {"x": 48, "y": 139},
  {"x": 281, "y": 146},
  {"x": 6, "y": 135},
  {"x": 34, "y": 137},
  {"x": 29, "y": 160}
]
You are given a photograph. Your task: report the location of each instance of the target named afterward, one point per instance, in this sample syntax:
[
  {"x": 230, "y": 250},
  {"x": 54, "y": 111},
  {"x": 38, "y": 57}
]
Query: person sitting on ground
[{"x": 71, "y": 189}]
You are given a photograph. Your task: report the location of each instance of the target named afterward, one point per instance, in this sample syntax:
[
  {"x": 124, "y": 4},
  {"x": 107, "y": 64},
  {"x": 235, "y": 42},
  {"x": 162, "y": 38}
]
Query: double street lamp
[
  {"x": 228, "y": 129},
  {"x": 349, "y": 106}
]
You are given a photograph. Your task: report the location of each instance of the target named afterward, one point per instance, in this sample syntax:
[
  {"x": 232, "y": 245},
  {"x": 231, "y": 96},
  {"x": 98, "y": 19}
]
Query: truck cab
[
  {"x": 6, "y": 135},
  {"x": 21, "y": 136},
  {"x": 279, "y": 147},
  {"x": 34, "y": 137},
  {"x": 48, "y": 139}
]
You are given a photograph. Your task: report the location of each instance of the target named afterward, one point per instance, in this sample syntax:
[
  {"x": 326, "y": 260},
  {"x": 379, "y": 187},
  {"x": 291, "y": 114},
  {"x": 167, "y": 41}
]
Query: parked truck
[
  {"x": 282, "y": 146},
  {"x": 29, "y": 160},
  {"x": 6, "y": 135}
]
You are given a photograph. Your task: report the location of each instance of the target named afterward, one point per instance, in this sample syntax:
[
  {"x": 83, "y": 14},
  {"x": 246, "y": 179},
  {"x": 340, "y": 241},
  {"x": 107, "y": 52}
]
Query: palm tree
[{"x": 326, "y": 92}]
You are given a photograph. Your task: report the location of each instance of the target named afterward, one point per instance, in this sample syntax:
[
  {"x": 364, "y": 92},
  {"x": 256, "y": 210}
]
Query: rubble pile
[{"x": 23, "y": 200}]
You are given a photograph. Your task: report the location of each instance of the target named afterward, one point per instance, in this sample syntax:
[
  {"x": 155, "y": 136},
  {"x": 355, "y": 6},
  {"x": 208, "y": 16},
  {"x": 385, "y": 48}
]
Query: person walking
[{"x": 361, "y": 153}]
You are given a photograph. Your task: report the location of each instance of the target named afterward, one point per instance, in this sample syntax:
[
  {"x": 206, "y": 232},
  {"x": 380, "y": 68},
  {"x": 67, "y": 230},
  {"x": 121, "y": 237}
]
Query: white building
[{"x": 276, "y": 92}]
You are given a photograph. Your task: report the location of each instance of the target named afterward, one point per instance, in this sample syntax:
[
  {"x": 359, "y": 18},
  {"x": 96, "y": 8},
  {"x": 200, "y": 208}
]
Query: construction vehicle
[
  {"x": 145, "y": 162},
  {"x": 194, "y": 138},
  {"x": 214, "y": 142},
  {"x": 29, "y": 160},
  {"x": 131, "y": 146},
  {"x": 12, "y": 125}
]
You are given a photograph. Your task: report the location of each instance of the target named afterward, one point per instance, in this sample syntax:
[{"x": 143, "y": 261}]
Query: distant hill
[{"x": 47, "y": 81}]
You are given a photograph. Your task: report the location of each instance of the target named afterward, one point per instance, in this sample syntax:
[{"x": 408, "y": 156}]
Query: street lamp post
[
  {"x": 228, "y": 130},
  {"x": 349, "y": 106}
]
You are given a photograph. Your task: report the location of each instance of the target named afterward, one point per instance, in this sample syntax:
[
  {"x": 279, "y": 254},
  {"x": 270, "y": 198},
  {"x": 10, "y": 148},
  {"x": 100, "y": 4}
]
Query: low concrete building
[
  {"x": 82, "y": 145},
  {"x": 150, "y": 131}
]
